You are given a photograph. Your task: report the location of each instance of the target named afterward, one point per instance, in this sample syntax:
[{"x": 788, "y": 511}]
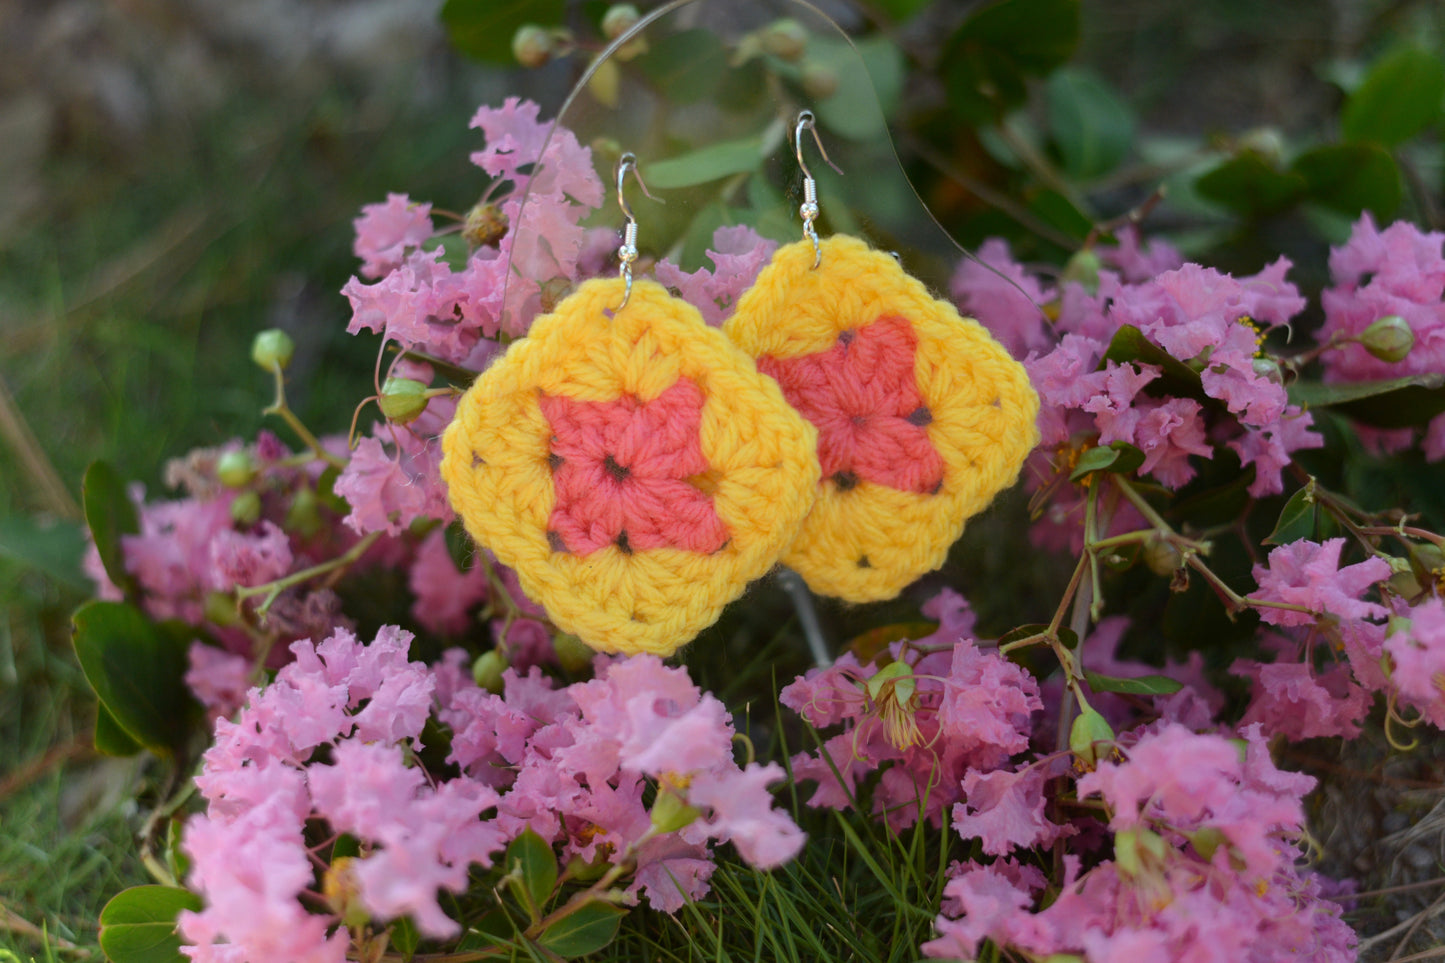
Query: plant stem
[
  {"x": 273, "y": 589},
  {"x": 281, "y": 410}
]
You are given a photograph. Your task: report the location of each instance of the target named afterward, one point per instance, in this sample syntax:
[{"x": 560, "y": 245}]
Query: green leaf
[
  {"x": 533, "y": 855},
  {"x": 483, "y": 29},
  {"x": 686, "y": 66},
  {"x": 710, "y": 163},
  {"x": 849, "y": 111},
  {"x": 1297, "y": 520},
  {"x": 873, "y": 643},
  {"x": 110, "y": 514},
  {"x": 587, "y": 930},
  {"x": 138, "y": 925},
  {"x": 1059, "y": 211},
  {"x": 52, "y": 547},
  {"x": 1138, "y": 685},
  {"x": 1120, "y": 458},
  {"x": 1351, "y": 178},
  {"x": 460, "y": 547},
  {"x": 137, "y": 669},
  {"x": 1394, "y": 403},
  {"x": 109, "y": 738},
  {"x": 1400, "y": 97},
  {"x": 405, "y": 937},
  {"x": 1176, "y": 379},
  {"x": 989, "y": 56},
  {"x": 1091, "y": 125},
  {"x": 1249, "y": 184}
]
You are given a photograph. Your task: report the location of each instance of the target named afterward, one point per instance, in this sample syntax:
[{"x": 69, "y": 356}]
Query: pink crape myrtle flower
[
  {"x": 1241, "y": 898},
  {"x": 1308, "y": 574},
  {"x": 738, "y": 254},
  {"x": 1417, "y": 656},
  {"x": 969, "y": 709},
  {"x": 995, "y": 290},
  {"x": 384, "y": 232}
]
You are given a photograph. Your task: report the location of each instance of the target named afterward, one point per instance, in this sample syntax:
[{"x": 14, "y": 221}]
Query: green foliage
[
  {"x": 1119, "y": 457},
  {"x": 1393, "y": 403},
  {"x": 139, "y": 924},
  {"x": 533, "y": 867},
  {"x": 484, "y": 28},
  {"x": 48, "y": 545},
  {"x": 1134, "y": 685},
  {"x": 584, "y": 931},
  {"x": 1403, "y": 93},
  {"x": 987, "y": 62},
  {"x": 137, "y": 669},
  {"x": 110, "y": 515},
  {"x": 1092, "y": 127}
]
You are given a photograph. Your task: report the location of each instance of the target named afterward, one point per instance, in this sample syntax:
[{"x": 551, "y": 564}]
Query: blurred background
[{"x": 179, "y": 174}]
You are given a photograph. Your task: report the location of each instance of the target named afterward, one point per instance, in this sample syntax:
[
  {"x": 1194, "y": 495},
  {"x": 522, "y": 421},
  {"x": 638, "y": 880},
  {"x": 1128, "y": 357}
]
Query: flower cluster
[
  {"x": 941, "y": 713},
  {"x": 1204, "y": 868},
  {"x": 334, "y": 744},
  {"x": 1386, "y": 316}
]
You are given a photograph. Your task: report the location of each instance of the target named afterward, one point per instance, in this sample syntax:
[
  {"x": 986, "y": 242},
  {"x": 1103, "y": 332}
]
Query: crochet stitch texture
[
  {"x": 635, "y": 469},
  {"x": 922, "y": 417}
]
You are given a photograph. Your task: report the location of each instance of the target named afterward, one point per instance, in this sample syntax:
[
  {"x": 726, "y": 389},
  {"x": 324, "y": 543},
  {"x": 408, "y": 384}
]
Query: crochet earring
[
  {"x": 922, "y": 417},
  {"x": 629, "y": 462}
]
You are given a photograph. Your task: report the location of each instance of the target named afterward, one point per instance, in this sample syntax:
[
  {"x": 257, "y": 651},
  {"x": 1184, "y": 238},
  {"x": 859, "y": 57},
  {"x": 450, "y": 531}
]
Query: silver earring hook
[
  {"x": 809, "y": 208},
  {"x": 627, "y": 253}
]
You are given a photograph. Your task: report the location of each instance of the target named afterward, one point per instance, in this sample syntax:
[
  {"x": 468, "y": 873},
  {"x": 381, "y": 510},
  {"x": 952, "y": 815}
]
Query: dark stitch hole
[
  {"x": 864, "y": 563},
  {"x": 845, "y": 480},
  {"x": 619, "y": 472},
  {"x": 608, "y": 313},
  {"x": 554, "y": 541},
  {"x": 936, "y": 488},
  {"x": 845, "y": 338},
  {"x": 638, "y": 618},
  {"x": 477, "y": 461},
  {"x": 860, "y": 420},
  {"x": 623, "y": 544},
  {"x": 998, "y": 402},
  {"x": 554, "y": 460},
  {"x": 920, "y": 417}
]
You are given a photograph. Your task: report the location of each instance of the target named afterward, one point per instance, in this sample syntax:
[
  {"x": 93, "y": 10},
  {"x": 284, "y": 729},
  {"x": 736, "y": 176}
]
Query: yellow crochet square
[
  {"x": 755, "y": 475},
  {"x": 910, "y": 450}
]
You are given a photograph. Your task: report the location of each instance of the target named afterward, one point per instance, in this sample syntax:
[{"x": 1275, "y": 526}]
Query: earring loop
[
  {"x": 809, "y": 209},
  {"x": 627, "y": 253}
]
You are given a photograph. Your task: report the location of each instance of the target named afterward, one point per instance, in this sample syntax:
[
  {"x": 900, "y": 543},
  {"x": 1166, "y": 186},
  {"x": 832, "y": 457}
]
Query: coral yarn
[
  {"x": 634, "y": 468},
  {"x": 922, "y": 417}
]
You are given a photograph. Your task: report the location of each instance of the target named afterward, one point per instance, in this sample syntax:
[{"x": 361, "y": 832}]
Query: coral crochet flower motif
[
  {"x": 631, "y": 465},
  {"x": 627, "y": 473},
  {"x": 922, "y": 417},
  {"x": 862, "y": 396}
]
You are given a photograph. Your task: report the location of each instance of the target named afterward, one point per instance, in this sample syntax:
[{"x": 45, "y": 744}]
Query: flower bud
[
  {"x": 1088, "y": 731},
  {"x": 403, "y": 400},
  {"x": 1389, "y": 339},
  {"x": 585, "y": 871},
  {"x": 273, "y": 349},
  {"x": 304, "y": 516},
  {"x": 785, "y": 39},
  {"x": 1161, "y": 555},
  {"x": 342, "y": 891},
  {"x": 246, "y": 509},
  {"x": 1083, "y": 269},
  {"x": 671, "y": 812},
  {"x": 235, "y": 469},
  {"x": 532, "y": 45},
  {"x": 619, "y": 18},
  {"x": 485, "y": 225},
  {"x": 573, "y": 654},
  {"x": 220, "y": 609},
  {"x": 819, "y": 81},
  {"x": 487, "y": 670},
  {"x": 1268, "y": 369}
]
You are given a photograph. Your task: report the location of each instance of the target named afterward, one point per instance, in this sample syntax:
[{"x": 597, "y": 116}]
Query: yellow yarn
[
  {"x": 763, "y": 472},
  {"x": 983, "y": 410}
]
